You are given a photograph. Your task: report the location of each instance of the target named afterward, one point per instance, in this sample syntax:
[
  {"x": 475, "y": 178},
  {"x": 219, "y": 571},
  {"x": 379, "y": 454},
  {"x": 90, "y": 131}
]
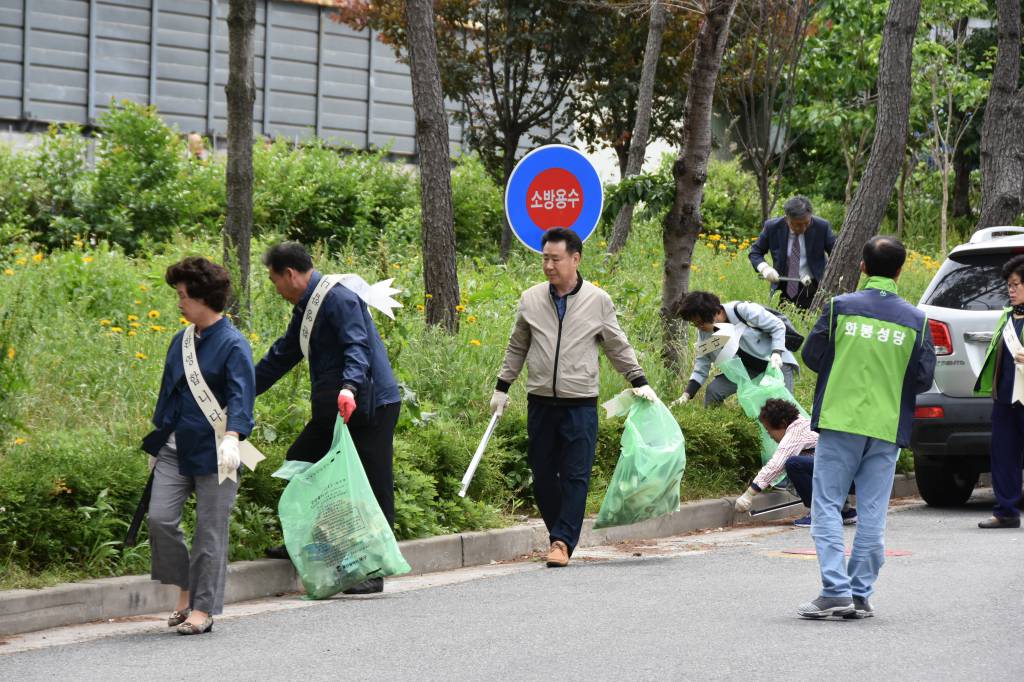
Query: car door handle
[{"x": 979, "y": 337}]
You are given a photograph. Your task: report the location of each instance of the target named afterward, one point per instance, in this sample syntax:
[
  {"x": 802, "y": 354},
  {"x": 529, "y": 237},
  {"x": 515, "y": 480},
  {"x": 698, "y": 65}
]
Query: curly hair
[
  {"x": 778, "y": 414},
  {"x": 700, "y": 306},
  {"x": 204, "y": 280},
  {"x": 1014, "y": 266}
]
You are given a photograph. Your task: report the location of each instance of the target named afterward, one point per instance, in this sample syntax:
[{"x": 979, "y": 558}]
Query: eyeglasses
[{"x": 1014, "y": 285}]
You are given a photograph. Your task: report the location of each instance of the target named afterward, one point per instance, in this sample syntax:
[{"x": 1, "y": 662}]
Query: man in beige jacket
[{"x": 558, "y": 329}]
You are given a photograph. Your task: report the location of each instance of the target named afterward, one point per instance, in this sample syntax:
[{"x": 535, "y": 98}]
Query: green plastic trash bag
[
  {"x": 645, "y": 483},
  {"x": 752, "y": 394},
  {"x": 334, "y": 530}
]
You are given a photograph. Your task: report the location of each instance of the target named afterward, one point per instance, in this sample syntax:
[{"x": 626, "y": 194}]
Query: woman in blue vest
[
  {"x": 184, "y": 452},
  {"x": 1002, "y": 377}
]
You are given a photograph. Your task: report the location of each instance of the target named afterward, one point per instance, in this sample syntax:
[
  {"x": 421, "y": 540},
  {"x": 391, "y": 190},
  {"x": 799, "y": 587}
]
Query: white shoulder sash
[
  {"x": 375, "y": 296},
  {"x": 215, "y": 414},
  {"x": 1013, "y": 344}
]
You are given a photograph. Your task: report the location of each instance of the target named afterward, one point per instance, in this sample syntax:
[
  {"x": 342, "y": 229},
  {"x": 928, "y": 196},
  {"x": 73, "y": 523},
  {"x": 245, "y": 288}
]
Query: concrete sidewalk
[{"x": 92, "y": 600}]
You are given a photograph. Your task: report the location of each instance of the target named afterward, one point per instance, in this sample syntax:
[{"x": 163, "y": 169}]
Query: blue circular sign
[{"x": 553, "y": 186}]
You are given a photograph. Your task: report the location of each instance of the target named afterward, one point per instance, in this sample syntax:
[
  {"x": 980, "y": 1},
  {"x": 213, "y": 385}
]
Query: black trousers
[
  {"x": 373, "y": 436},
  {"x": 563, "y": 439},
  {"x": 804, "y": 295}
]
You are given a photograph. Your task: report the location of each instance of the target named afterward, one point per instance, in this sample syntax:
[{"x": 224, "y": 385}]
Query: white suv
[{"x": 952, "y": 427}]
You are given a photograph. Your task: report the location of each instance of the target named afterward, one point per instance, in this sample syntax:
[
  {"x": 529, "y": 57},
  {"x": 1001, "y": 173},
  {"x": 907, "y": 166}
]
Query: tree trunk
[
  {"x": 509, "y": 162},
  {"x": 440, "y": 277},
  {"x": 641, "y": 129},
  {"x": 961, "y": 184},
  {"x": 1002, "y": 133},
  {"x": 690, "y": 171},
  {"x": 241, "y": 94},
  {"x": 901, "y": 195},
  {"x": 944, "y": 213},
  {"x": 872, "y": 196}
]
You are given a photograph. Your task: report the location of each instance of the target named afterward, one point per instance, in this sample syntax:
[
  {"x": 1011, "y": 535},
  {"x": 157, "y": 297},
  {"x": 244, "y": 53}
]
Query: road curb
[{"x": 107, "y": 598}]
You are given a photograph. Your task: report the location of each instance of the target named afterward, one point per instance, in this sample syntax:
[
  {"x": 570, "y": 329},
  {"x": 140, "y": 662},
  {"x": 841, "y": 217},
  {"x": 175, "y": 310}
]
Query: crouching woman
[{"x": 205, "y": 406}]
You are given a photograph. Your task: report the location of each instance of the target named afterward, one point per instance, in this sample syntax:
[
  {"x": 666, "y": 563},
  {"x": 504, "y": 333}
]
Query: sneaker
[
  {"x": 368, "y": 586},
  {"x": 823, "y": 607},
  {"x": 861, "y": 609},
  {"x": 558, "y": 555},
  {"x": 804, "y": 522},
  {"x": 849, "y": 516}
]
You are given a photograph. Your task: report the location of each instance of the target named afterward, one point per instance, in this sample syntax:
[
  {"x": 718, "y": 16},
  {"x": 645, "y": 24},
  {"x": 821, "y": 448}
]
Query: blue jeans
[
  {"x": 563, "y": 439},
  {"x": 841, "y": 459}
]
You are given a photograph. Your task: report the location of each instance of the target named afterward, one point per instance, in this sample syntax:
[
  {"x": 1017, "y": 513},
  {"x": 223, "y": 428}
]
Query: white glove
[
  {"x": 768, "y": 272},
  {"x": 228, "y": 458},
  {"x": 776, "y": 360},
  {"x": 152, "y": 462},
  {"x": 681, "y": 400},
  {"x": 806, "y": 280},
  {"x": 498, "y": 402},
  {"x": 746, "y": 500},
  {"x": 646, "y": 393}
]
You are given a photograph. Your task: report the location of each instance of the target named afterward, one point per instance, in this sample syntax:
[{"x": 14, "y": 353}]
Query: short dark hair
[
  {"x": 204, "y": 280},
  {"x": 778, "y": 414},
  {"x": 797, "y": 207},
  {"x": 700, "y": 305},
  {"x": 573, "y": 243},
  {"x": 884, "y": 256},
  {"x": 280, "y": 257},
  {"x": 1014, "y": 266}
]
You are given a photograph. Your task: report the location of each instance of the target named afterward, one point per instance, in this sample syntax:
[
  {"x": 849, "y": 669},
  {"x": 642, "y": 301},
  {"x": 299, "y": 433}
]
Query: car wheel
[{"x": 944, "y": 483}]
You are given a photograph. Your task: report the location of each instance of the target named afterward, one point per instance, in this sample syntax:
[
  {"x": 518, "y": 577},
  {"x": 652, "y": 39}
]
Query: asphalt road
[{"x": 713, "y": 605}]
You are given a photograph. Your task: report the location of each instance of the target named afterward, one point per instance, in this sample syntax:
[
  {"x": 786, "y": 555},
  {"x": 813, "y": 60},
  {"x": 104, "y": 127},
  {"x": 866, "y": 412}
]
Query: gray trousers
[
  {"x": 721, "y": 388},
  {"x": 203, "y": 571}
]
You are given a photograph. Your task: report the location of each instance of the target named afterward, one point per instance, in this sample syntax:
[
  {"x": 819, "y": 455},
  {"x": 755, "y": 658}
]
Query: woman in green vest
[{"x": 1002, "y": 377}]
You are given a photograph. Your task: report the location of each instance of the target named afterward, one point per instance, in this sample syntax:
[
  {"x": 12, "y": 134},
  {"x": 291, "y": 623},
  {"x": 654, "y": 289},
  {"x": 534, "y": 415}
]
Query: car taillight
[
  {"x": 924, "y": 412},
  {"x": 940, "y": 337}
]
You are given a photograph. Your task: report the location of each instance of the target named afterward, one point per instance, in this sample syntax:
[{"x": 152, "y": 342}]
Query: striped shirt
[{"x": 798, "y": 438}]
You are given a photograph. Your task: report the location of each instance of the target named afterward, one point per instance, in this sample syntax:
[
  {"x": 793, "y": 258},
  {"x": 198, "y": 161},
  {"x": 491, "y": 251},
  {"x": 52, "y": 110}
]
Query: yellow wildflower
[
  {"x": 86, "y": 259},
  {"x": 104, "y": 323},
  {"x": 153, "y": 314},
  {"x": 10, "y": 353},
  {"x": 715, "y": 237},
  {"x": 471, "y": 319},
  {"x": 254, "y": 337},
  {"x": 133, "y": 318},
  {"x": 137, "y": 302},
  {"x": 143, "y": 287},
  {"x": 140, "y": 356},
  {"x": 596, "y": 284},
  {"x": 79, "y": 243},
  {"x": 8, "y": 271},
  {"x": 19, "y": 441},
  {"x": 156, "y": 328},
  {"x": 134, "y": 325},
  {"x": 182, "y": 320},
  {"x": 37, "y": 257},
  {"x": 20, "y": 261},
  {"x": 116, "y": 330},
  {"x": 428, "y": 296},
  {"x": 460, "y": 308},
  {"x": 474, "y": 342},
  {"x": 397, "y": 266},
  {"x": 602, "y": 243},
  {"x": 419, "y": 307},
  {"x": 132, "y": 332}
]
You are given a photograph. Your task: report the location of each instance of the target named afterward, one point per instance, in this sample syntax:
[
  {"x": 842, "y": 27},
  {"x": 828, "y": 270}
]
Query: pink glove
[{"x": 346, "y": 404}]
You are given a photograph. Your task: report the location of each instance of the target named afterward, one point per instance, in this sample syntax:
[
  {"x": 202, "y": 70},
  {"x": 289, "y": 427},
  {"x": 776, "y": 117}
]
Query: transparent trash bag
[
  {"x": 645, "y": 483},
  {"x": 335, "y": 531}
]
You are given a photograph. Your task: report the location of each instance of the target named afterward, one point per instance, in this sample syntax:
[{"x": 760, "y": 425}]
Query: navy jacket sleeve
[
  {"x": 925, "y": 362},
  {"x": 759, "y": 248},
  {"x": 282, "y": 356},
  {"x": 165, "y": 390},
  {"x": 816, "y": 345},
  {"x": 346, "y": 316},
  {"x": 240, "y": 390}
]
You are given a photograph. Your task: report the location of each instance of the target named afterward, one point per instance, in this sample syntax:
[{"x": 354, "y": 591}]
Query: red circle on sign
[{"x": 554, "y": 199}]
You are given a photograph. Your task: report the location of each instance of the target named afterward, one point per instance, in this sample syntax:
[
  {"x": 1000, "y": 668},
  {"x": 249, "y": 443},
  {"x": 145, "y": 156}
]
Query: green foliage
[{"x": 477, "y": 205}]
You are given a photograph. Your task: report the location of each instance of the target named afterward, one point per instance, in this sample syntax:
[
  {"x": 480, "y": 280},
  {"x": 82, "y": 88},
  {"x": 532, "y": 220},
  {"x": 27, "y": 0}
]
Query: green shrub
[{"x": 477, "y": 205}]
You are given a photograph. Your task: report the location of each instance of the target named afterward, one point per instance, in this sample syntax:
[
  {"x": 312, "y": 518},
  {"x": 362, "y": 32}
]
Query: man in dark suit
[{"x": 798, "y": 243}]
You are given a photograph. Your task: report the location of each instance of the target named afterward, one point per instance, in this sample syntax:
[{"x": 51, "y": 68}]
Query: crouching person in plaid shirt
[{"x": 794, "y": 455}]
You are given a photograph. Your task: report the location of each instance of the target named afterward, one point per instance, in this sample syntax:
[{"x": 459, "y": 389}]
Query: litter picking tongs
[
  {"x": 777, "y": 507},
  {"x": 471, "y": 470}
]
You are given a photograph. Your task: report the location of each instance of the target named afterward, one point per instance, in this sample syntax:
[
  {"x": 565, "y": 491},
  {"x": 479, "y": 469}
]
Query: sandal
[
  {"x": 178, "y": 617},
  {"x": 187, "y": 628}
]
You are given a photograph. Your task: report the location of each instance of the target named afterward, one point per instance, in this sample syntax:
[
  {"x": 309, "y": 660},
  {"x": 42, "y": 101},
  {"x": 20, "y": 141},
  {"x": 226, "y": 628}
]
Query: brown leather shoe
[{"x": 558, "y": 555}]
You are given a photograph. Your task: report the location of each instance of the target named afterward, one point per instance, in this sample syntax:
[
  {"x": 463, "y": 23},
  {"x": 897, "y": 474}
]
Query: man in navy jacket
[
  {"x": 349, "y": 371},
  {"x": 798, "y": 243}
]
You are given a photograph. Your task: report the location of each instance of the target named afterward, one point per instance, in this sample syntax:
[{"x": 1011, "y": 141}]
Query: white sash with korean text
[
  {"x": 1015, "y": 347},
  {"x": 214, "y": 412},
  {"x": 375, "y": 296}
]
